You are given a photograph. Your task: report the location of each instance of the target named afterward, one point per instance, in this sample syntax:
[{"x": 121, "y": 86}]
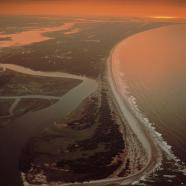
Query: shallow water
[{"x": 34, "y": 35}]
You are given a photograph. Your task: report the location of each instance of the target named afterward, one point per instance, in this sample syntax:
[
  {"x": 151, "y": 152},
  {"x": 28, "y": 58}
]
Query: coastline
[
  {"x": 143, "y": 134},
  {"x": 151, "y": 148},
  {"x": 158, "y": 146}
]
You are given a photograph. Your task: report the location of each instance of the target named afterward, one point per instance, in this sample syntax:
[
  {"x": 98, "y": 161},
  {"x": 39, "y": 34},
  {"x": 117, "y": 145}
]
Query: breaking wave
[{"x": 166, "y": 148}]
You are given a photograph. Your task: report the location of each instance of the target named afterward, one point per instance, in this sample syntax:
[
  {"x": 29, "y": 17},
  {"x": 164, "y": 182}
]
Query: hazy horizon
[{"x": 137, "y": 8}]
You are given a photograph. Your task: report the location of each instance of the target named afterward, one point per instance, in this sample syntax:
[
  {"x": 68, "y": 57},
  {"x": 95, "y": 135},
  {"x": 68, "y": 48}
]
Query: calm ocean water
[{"x": 154, "y": 68}]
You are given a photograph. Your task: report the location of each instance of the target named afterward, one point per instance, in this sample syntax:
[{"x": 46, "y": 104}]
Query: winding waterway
[{"x": 16, "y": 135}]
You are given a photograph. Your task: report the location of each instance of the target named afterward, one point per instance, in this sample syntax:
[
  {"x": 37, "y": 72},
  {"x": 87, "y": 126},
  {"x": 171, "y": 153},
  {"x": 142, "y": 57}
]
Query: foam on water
[
  {"x": 126, "y": 63},
  {"x": 167, "y": 149},
  {"x": 142, "y": 117}
]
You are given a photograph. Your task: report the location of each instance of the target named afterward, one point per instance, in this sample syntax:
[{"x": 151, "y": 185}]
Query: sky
[{"x": 141, "y": 8}]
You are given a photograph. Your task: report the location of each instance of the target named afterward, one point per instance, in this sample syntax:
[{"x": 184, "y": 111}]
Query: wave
[{"x": 132, "y": 101}]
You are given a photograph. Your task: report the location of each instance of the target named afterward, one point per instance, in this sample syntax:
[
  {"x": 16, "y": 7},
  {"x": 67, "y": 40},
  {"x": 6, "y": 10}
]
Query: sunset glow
[
  {"x": 93, "y": 8},
  {"x": 163, "y": 17},
  {"x": 92, "y": 92}
]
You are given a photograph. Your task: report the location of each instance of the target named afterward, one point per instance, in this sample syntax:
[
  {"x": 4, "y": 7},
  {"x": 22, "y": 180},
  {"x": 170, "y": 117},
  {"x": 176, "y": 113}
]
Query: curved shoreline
[
  {"x": 29, "y": 71},
  {"x": 122, "y": 180},
  {"x": 142, "y": 133}
]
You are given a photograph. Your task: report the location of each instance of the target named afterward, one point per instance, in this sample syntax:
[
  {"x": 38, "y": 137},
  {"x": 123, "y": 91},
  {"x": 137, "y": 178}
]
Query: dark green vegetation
[
  {"x": 82, "y": 53},
  {"x": 17, "y": 84},
  {"x": 169, "y": 174},
  {"x": 86, "y": 145},
  {"x": 11, "y": 25}
]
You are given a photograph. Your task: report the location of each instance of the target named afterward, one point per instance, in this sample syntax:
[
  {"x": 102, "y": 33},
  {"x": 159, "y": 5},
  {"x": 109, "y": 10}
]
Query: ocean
[{"x": 153, "y": 70}]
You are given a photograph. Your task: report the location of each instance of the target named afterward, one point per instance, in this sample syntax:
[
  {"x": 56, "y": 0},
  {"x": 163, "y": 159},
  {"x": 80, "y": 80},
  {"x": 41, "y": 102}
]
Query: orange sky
[{"x": 94, "y": 8}]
